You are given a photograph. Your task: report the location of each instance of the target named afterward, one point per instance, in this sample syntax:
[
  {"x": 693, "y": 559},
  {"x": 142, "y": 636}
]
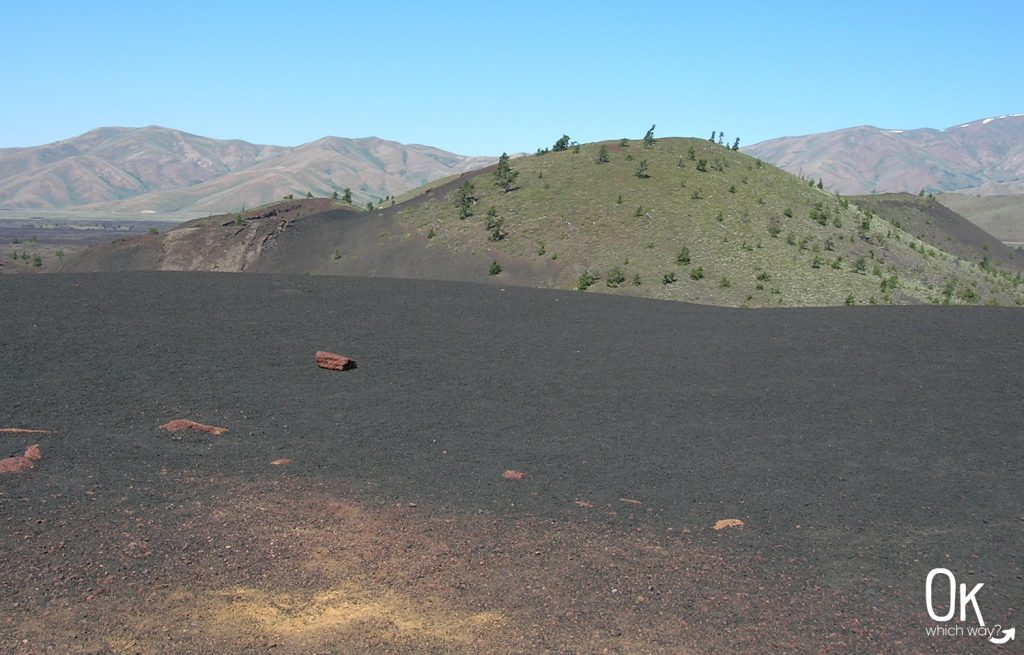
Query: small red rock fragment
[
  {"x": 182, "y": 424},
  {"x": 728, "y": 523},
  {"x": 333, "y": 361},
  {"x": 20, "y": 463},
  {"x": 513, "y": 475},
  {"x": 281, "y": 461},
  {"x": 583, "y": 503}
]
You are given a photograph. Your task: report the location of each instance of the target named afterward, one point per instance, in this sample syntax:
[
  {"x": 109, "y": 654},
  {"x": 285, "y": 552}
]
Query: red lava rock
[
  {"x": 728, "y": 523},
  {"x": 583, "y": 503},
  {"x": 281, "y": 461},
  {"x": 182, "y": 424},
  {"x": 20, "y": 463},
  {"x": 334, "y": 362},
  {"x": 513, "y": 475}
]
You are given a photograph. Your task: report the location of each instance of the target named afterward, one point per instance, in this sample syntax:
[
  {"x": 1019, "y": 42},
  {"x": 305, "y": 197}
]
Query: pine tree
[
  {"x": 465, "y": 198},
  {"x": 649, "y": 138},
  {"x": 641, "y": 170},
  {"x": 347, "y": 196},
  {"x": 561, "y": 144},
  {"x": 504, "y": 176},
  {"x": 736, "y": 144},
  {"x": 602, "y": 155}
]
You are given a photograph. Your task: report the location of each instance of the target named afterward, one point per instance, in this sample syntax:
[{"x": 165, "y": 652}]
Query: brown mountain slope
[
  {"x": 159, "y": 169},
  {"x": 984, "y": 156}
]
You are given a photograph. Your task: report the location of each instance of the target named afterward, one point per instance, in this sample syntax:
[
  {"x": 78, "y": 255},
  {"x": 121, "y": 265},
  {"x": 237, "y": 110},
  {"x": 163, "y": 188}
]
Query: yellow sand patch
[{"x": 350, "y": 607}]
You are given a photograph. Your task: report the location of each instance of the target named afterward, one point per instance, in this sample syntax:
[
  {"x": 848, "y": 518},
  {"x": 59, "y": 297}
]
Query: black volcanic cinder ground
[{"x": 861, "y": 447}]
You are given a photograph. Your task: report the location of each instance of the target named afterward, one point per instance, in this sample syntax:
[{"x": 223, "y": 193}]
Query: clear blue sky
[{"x": 486, "y": 77}]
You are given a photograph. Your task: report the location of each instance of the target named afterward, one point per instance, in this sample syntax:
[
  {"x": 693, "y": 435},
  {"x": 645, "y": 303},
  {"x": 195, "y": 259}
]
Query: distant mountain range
[
  {"x": 165, "y": 170},
  {"x": 983, "y": 157}
]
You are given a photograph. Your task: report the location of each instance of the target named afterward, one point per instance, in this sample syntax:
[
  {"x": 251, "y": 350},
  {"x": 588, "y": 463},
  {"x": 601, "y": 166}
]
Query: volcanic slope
[
  {"x": 370, "y": 511},
  {"x": 1003, "y": 216},
  {"x": 685, "y": 219}
]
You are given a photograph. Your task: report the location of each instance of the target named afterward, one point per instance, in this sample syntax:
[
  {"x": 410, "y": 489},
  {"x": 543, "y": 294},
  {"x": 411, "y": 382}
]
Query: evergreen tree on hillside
[
  {"x": 649, "y": 138},
  {"x": 713, "y": 135},
  {"x": 465, "y": 198},
  {"x": 561, "y": 144},
  {"x": 641, "y": 170},
  {"x": 602, "y": 155},
  {"x": 736, "y": 144},
  {"x": 347, "y": 196},
  {"x": 504, "y": 176}
]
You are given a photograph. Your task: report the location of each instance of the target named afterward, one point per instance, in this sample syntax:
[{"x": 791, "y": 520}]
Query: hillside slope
[
  {"x": 702, "y": 224},
  {"x": 1002, "y": 216},
  {"x": 165, "y": 170},
  {"x": 982, "y": 157}
]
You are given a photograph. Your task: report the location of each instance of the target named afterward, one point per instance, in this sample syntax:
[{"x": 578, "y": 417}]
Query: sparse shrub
[
  {"x": 695, "y": 194},
  {"x": 850, "y": 300},
  {"x": 691, "y": 153},
  {"x": 817, "y": 262},
  {"x": 697, "y": 273},
  {"x": 153, "y": 230},
  {"x": 861, "y": 265},
  {"x": 641, "y": 170},
  {"x": 683, "y": 258},
  {"x": 586, "y": 280},
  {"x": 702, "y": 165},
  {"x": 615, "y": 277},
  {"x": 732, "y": 188},
  {"x": 59, "y": 254},
  {"x": 830, "y": 245},
  {"x": 889, "y": 283},
  {"x": 668, "y": 278},
  {"x": 725, "y": 283},
  {"x": 637, "y": 280},
  {"x": 431, "y": 233},
  {"x": 763, "y": 276},
  {"x": 618, "y": 200},
  {"x": 602, "y": 155},
  {"x": 624, "y": 143},
  {"x": 37, "y": 261},
  {"x": 494, "y": 269},
  {"x": 541, "y": 249},
  {"x": 639, "y": 212},
  {"x": 837, "y": 263},
  {"x": 791, "y": 239},
  {"x": 629, "y": 157},
  {"x": 369, "y": 206},
  {"x": 238, "y": 219},
  {"x": 337, "y": 253},
  {"x": 774, "y": 227}
]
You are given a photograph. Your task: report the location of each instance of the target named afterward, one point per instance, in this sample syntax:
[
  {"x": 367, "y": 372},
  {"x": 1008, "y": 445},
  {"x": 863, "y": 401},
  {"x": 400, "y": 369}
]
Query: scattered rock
[
  {"x": 281, "y": 461},
  {"x": 630, "y": 501},
  {"x": 182, "y": 424},
  {"x": 728, "y": 523},
  {"x": 20, "y": 463},
  {"x": 333, "y": 361},
  {"x": 583, "y": 503},
  {"x": 513, "y": 475},
  {"x": 23, "y": 431}
]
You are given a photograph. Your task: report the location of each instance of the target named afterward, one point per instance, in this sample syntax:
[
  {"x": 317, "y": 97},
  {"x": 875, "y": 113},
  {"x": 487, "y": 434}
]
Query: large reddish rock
[
  {"x": 20, "y": 463},
  {"x": 333, "y": 361},
  {"x": 182, "y": 424}
]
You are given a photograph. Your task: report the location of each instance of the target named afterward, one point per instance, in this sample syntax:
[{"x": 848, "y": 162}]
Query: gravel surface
[{"x": 860, "y": 447}]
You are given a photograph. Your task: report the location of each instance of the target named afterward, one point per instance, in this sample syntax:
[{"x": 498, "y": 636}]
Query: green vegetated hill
[
  {"x": 687, "y": 219},
  {"x": 679, "y": 219}
]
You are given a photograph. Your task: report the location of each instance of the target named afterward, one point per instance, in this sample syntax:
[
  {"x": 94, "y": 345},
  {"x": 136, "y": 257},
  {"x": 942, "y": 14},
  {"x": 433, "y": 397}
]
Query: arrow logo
[{"x": 1007, "y": 636}]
